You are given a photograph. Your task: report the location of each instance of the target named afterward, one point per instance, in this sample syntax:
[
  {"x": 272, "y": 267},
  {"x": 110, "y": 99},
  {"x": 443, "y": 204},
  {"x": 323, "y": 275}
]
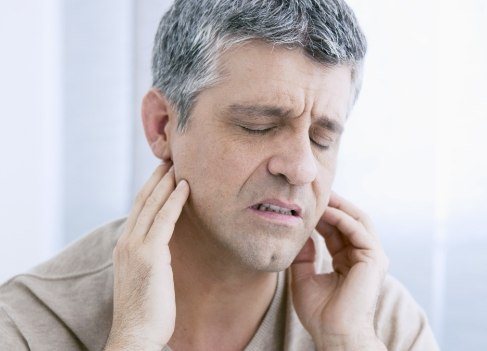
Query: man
[{"x": 237, "y": 240}]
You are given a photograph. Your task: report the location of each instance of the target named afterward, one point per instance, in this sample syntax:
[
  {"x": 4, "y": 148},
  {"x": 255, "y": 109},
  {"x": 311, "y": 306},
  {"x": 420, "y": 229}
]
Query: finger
[
  {"x": 354, "y": 231},
  {"x": 163, "y": 226},
  {"x": 153, "y": 204},
  {"x": 142, "y": 195},
  {"x": 341, "y": 268},
  {"x": 346, "y": 206},
  {"x": 303, "y": 265},
  {"x": 341, "y": 261},
  {"x": 334, "y": 241}
]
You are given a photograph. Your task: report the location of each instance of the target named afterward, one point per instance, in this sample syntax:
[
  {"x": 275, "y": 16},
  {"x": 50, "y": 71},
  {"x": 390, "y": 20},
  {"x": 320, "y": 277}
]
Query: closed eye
[
  {"x": 266, "y": 130},
  {"x": 257, "y": 131},
  {"x": 320, "y": 146},
  {"x": 320, "y": 138}
]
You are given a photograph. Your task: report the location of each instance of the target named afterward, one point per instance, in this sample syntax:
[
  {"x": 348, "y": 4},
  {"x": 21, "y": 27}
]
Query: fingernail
[{"x": 182, "y": 183}]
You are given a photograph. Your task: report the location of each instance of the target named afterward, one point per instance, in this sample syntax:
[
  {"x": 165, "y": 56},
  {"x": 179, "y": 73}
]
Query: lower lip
[{"x": 277, "y": 217}]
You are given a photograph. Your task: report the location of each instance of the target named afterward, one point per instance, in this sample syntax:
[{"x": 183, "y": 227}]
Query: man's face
[{"x": 267, "y": 134}]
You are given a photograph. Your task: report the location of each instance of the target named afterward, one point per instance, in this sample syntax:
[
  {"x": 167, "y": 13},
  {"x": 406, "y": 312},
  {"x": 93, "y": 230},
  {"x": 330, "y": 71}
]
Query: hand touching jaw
[
  {"x": 338, "y": 308},
  {"x": 143, "y": 299}
]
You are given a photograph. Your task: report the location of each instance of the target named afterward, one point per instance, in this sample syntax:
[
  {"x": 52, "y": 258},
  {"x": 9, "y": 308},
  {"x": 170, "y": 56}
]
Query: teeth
[{"x": 273, "y": 208}]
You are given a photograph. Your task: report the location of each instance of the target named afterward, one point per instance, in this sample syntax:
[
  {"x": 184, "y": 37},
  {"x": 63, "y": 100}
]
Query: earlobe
[{"x": 157, "y": 117}]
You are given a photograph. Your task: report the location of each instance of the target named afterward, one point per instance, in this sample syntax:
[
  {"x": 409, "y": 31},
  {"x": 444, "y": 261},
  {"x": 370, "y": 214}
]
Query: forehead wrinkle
[
  {"x": 254, "y": 111},
  {"x": 284, "y": 104},
  {"x": 279, "y": 103},
  {"x": 264, "y": 110}
]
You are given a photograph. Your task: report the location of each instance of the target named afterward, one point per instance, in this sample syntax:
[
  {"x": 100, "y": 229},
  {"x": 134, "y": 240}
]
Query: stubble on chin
[{"x": 266, "y": 252}]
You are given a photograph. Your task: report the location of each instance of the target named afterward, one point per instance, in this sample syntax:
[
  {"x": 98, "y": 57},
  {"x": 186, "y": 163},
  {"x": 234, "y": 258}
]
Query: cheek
[
  {"x": 211, "y": 166},
  {"x": 322, "y": 189}
]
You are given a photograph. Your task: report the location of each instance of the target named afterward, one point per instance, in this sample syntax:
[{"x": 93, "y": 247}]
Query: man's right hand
[{"x": 144, "y": 307}]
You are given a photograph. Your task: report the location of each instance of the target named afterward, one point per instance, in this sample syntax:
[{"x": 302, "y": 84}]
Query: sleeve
[
  {"x": 400, "y": 322},
  {"x": 10, "y": 336}
]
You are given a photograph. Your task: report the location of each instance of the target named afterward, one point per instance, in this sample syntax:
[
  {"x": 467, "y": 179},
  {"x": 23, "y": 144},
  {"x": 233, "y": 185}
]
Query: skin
[{"x": 222, "y": 276}]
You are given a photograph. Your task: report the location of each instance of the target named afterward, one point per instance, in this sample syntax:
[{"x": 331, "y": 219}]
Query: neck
[{"x": 216, "y": 299}]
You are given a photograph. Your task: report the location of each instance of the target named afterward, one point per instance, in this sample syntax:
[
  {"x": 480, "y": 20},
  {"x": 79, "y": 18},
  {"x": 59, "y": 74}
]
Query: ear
[{"x": 158, "y": 119}]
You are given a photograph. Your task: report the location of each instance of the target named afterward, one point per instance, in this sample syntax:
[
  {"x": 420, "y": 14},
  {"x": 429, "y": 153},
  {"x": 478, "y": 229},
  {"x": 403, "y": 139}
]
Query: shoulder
[
  {"x": 93, "y": 251},
  {"x": 12, "y": 338},
  {"x": 58, "y": 300},
  {"x": 399, "y": 321},
  {"x": 88, "y": 255}
]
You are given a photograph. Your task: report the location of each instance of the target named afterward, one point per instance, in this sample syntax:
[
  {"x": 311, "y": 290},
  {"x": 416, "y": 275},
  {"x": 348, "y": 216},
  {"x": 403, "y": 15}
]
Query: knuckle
[
  {"x": 129, "y": 253},
  {"x": 362, "y": 227},
  {"x": 358, "y": 217},
  {"x": 152, "y": 201},
  {"x": 141, "y": 257},
  {"x": 362, "y": 256},
  {"x": 361, "y": 213},
  {"x": 339, "y": 222},
  {"x": 140, "y": 197},
  {"x": 351, "y": 254},
  {"x": 120, "y": 248},
  {"x": 144, "y": 216},
  {"x": 365, "y": 218},
  {"x": 162, "y": 216},
  {"x": 125, "y": 247}
]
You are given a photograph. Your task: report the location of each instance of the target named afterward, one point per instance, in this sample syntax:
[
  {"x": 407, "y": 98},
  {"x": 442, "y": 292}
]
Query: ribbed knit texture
[{"x": 66, "y": 304}]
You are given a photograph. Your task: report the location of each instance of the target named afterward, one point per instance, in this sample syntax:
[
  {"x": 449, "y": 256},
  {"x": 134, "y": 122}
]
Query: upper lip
[{"x": 276, "y": 202}]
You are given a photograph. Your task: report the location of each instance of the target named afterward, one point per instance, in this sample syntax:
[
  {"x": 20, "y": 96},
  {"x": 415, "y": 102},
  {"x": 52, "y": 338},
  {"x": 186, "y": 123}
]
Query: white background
[{"x": 73, "y": 154}]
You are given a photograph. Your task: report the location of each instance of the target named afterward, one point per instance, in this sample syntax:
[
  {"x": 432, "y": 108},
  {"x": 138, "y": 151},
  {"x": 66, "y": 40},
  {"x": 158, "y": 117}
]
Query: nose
[{"x": 295, "y": 161}]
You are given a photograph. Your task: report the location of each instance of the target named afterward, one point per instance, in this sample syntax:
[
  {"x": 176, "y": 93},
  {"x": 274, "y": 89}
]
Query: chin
[
  {"x": 275, "y": 266},
  {"x": 268, "y": 258}
]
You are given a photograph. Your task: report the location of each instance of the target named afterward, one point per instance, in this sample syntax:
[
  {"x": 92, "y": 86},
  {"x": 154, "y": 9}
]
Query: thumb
[{"x": 303, "y": 265}]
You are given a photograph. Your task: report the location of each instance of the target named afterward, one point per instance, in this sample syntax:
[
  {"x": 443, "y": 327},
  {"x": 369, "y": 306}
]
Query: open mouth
[{"x": 264, "y": 207}]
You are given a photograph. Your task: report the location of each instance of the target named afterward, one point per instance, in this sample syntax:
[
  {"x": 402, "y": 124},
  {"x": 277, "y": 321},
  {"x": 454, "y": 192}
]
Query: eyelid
[
  {"x": 319, "y": 146},
  {"x": 314, "y": 136},
  {"x": 270, "y": 128},
  {"x": 260, "y": 130}
]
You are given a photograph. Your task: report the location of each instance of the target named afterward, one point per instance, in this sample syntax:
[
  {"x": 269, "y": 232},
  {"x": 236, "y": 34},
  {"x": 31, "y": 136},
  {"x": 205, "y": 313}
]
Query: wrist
[{"x": 130, "y": 344}]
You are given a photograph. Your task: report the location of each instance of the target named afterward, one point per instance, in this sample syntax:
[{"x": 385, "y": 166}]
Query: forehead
[{"x": 258, "y": 73}]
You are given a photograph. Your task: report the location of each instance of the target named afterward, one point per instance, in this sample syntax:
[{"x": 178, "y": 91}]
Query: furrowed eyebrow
[
  {"x": 253, "y": 111},
  {"x": 330, "y": 124},
  {"x": 258, "y": 111}
]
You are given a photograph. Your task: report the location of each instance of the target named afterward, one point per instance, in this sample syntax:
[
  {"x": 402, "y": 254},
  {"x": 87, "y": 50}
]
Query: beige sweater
[{"x": 66, "y": 304}]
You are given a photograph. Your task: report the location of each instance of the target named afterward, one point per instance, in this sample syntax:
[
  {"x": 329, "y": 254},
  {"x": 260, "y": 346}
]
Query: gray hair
[{"x": 193, "y": 34}]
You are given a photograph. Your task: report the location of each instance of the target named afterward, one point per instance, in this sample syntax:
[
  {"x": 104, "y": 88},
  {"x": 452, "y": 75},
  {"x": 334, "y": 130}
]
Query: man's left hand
[{"x": 338, "y": 308}]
